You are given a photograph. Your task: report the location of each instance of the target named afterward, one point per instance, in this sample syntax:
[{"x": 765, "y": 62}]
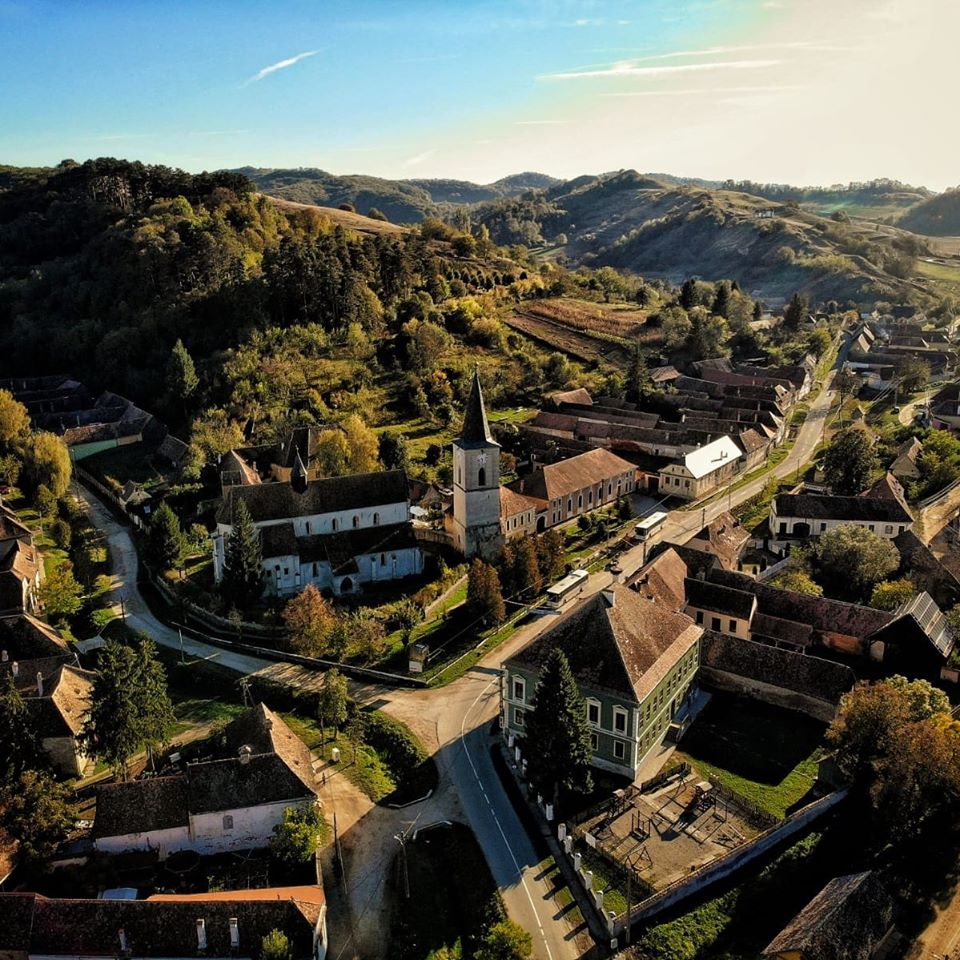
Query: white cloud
[
  {"x": 281, "y": 65},
  {"x": 703, "y": 91},
  {"x": 419, "y": 158},
  {"x": 630, "y": 69}
]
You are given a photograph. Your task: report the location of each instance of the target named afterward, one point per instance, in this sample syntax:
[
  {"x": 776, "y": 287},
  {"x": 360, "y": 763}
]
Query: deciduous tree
[
  {"x": 14, "y": 419},
  {"x": 363, "y": 444},
  {"x": 36, "y": 813},
  {"x": 799, "y": 581},
  {"x": 854, "y": 559},
  {"x": 505, "y": 940},
  {"x": 849, "y": 460},
  {"x": 483, "y": 591},
  {"x": 310, "y": 619},
  {"x": 296, "y": 837},
  {"x": 332, "y": 702},
  {"x": 275, "y": 946},
  {"x": 891, "y": 594},
  {"x": 60, "y": 594},
  {"x": 46, "y": 460}
]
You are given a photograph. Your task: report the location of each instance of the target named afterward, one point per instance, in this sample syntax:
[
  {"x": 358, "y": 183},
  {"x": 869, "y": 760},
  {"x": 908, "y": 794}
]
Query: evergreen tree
[
  {"x": 130, "y": 708},
  {"x": 36, "y": 813},
  {"x": 757, "y": 310},
  {"x": 242, "y": 583},
  {"x": 166, "y": 538},
  {"x": 182, "y": 378},
  {"x": 19, "y": 744},
  {"x": 394, "y": 454},
  {"x": 638, "y": 377},
  {"x": 721, "y": 301},
  {"x": 558, "y": 735},
  {"x": 796, "y": 311},
  {"x": 688, "y": 294}
]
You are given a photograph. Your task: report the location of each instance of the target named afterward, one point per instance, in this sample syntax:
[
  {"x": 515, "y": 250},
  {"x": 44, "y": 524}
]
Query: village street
[{"x": 453, "y": 721}]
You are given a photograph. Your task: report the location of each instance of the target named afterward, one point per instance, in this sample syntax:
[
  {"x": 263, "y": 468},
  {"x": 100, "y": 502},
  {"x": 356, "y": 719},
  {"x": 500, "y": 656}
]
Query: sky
[{"x": 788, "y": 91}]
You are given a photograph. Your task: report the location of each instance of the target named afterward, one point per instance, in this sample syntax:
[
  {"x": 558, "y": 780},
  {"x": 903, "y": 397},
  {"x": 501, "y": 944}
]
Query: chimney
[
  {"x": 39, "y": 684},
  {"x": 609, "y": 596},
  {"x": 201, "y": 934},
  {"x": 234, "y": 932}
]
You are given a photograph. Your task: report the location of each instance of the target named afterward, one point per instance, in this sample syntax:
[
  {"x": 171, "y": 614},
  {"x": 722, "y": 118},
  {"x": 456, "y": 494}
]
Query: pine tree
[
  {"x": 757, "y": 310},
  {"x": 721, "y": 301},
  {"x": 166, "y": 537},
  {"x": 796, "y": 311},
  {"x": 558, "y": 735},
  {"x": 688, "y": 294},
  {"x": 182, "y": 380},
  {"x": 19, "y": 744},
  {"x": 242, "y": 583}
]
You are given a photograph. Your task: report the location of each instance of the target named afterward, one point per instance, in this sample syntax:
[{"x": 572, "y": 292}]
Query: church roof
[{"x": 475, "y": 429}]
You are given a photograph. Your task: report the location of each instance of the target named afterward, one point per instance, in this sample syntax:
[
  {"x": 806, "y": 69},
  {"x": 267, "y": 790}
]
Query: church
[{"x": 485, "y": 514}]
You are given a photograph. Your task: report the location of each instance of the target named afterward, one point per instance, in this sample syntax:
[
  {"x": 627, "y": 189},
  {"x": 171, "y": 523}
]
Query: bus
[
  {"x": 649, "y": 525},
  {"x": 566, "y": 589}
]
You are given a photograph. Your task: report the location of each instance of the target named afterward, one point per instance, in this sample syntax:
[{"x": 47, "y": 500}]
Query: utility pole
[
  {"x": 180, "y": 632},
  {"x": 626, "y": 929},
  {"x": 123, "y": 611},
  {"x": 703, "y": 518},
  {"x": 401, "y": 838}
]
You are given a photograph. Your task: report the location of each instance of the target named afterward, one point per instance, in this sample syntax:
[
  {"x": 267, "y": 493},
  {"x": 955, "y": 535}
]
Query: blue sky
[{"x": 481, "y": 89}]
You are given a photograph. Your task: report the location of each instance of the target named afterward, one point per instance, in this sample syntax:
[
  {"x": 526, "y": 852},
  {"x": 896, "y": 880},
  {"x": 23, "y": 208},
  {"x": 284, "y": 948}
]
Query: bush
[
  {"x": 62, "y": 534},
  {"x": 400, "y": 749}
]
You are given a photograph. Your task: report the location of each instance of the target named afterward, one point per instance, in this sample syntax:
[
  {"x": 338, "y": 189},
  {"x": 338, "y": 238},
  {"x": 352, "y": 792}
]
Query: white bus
[
  {"x": 649, "y": 525},
  {"x": 570, "y": 586}
]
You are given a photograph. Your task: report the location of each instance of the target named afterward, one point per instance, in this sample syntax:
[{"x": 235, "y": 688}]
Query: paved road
[{"x": 462, "y": 712}]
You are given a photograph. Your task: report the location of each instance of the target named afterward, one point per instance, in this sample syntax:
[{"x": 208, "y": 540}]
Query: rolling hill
[{"x": 937, "y": 216}]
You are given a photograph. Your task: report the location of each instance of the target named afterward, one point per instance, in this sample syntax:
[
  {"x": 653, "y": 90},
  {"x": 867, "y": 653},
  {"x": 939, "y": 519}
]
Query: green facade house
[{"x": 635, "y": 662}]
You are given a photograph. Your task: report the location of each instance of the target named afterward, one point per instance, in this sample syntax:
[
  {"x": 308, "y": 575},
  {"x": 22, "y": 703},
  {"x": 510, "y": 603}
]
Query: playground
[{"x": 661, "y": 834}]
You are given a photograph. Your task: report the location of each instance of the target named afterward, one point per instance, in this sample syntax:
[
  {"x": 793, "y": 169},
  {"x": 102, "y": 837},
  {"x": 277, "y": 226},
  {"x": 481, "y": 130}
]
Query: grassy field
[
  {"x": 132, "y": 461},
  {"x": 765, "y": 754},
  {"x": 451, "y": 891},
  {"x": 947, "y": 275}
]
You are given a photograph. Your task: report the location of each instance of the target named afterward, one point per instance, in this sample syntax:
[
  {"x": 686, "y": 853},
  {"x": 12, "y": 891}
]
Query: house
[
  {"x": 21, "y": 566},
  {"x": 917, "y": 642},
  {"x": 663, "y": 376},
  {"x": 635, "y": 661},
  {"x": 58, "y": 705},
  {"x": 720, "y": 608},
  {"x": 904, "y": 467},
  {"x": 230, "y": 924},
  {"x": 925, "y": 571},
  {"x": 231, "y": 802},
  {"x": 724, "y": 538},
  {"x": 945, "y": 408},
  {"x": 272, "y": 463},
  {"x": 809, "y": 515},
  {"x": 579, "y": 484},
  {"x": 702, "y": 470},
  {"x": 846, "y": 920},
  {"x": 338, "y": 533}
]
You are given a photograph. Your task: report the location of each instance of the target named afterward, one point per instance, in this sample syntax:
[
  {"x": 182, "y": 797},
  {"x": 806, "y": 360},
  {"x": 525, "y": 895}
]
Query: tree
[
  {"x": 505, "y": 940},
  {"x": 36, "y": 812},
  {"x": 849, "y": 460},
  {"x": 408, "y": 613},
  {"x": 852, "y": 556},
  {"x": 675, "y": 325},
  {"x": 483, "y": 591},
  {"x": 708, "y": 335},
  {"x": 20, "y": 748},
  {"x": 130, "y": 707},
  {"x": 242, "y": 582},
  {"x": 394, "y": 452},
  {"x": 166, "y": 537},
  {"x": 333, "y": 453},
  {"x": 914, "y": 374},
  {"x": 796, "y": 311},
  {"x": 14, "y": 418},
  {"x": 46, "y": 460},
  {"x": 212, "y": 434},
  {"x": 45, "y": 502},
  {"x": 332, "y": 702},
  {"x": 688, "y": 294},
  {"x": 182, "y": 380},
  {"x": 558, "y": 736},
  {"x": 276, "y": 946},
  {"x": 60, "y": 594},
  {"x": 310, "y": 619},
  {"x": 296, "y": 836},
  {"x": 721, "y": 302},
  {"x": 363, "y": 444},
  {"x": 799, "y": 581},
  {"x": 892, "y": 594},
  {"x": 526, "y": 568}
]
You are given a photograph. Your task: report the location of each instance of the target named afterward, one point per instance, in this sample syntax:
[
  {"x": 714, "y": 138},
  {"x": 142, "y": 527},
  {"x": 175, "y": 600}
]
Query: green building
[{"x": 635, "y": 661}]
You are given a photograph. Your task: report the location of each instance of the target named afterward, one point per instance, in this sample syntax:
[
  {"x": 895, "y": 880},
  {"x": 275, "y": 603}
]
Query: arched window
[
  {"x": 333, "y": 524},
  {"x": 580, "y": 501},
  {"x": 356, "y": 522},
  {"x": 482, "y": 476},
  {"x": 376, "y": 519}
]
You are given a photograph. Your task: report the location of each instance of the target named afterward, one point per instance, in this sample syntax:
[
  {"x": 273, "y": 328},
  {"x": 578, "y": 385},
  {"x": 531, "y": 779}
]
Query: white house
[
  {"x": 336, "y": 533},
  {"x": 230, "y": 803},
  {"x": 702, "y": 470}
]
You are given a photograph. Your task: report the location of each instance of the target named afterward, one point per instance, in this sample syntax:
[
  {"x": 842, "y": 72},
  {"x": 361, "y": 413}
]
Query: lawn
[
  {"x": 765, "y": 754},
  {"x": 451, "y": 891},
  {"x": 132, "y": 461}
]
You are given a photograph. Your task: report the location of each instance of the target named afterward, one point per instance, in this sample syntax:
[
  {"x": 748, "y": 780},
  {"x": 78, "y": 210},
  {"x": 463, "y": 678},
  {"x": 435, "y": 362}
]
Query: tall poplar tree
[
  {"x": 242, "y": 583},
  {"x": 558, "y": 735}
]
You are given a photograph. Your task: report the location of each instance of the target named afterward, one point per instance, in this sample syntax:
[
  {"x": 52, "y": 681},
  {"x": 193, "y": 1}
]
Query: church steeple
[
  {"x": 476, "y": 429},
  {"x": 298, "y": 475}
]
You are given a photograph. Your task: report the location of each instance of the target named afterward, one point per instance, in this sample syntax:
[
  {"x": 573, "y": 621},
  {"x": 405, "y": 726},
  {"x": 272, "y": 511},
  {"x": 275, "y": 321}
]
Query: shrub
[
  {"x": 62, "y": 534},
  {"x": 401, "y": 750}
]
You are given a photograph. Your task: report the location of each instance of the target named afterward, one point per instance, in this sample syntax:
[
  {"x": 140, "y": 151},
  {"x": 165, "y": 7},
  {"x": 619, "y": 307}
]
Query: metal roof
[{"x": 711, "y": 456}]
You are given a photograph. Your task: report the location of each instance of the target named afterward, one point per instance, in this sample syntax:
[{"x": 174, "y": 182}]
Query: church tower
[{"x": 476, "y": 481}]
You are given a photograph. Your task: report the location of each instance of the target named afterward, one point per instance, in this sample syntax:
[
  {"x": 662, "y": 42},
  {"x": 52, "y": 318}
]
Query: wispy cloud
[
  {"x": 632, "y": 69},
  {"x": 419, "y": 158},
  {"x": 538, "y": 123},
  {"x": 281, "y": 65},
  {"x": 701, "y": 91}
]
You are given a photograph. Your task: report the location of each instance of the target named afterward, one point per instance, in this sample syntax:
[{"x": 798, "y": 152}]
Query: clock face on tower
[{"x": 481, "y": 459}]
